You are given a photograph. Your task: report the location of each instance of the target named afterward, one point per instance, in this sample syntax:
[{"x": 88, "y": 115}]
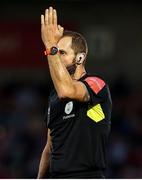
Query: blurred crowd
[
  {"x": 23, "y": 129},
  {"x": 125, "y": 150}
]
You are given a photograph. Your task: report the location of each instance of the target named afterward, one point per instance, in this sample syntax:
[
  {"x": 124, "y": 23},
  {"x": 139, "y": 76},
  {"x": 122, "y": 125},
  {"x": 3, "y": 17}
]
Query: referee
[{"x": 79, "y": 108}]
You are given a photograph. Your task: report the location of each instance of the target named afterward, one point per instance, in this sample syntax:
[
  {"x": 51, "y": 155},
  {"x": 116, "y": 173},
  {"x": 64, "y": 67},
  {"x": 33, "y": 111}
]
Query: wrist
[
  {"x": 51, "y": 51},
  {"x": 50, "y": 45}
]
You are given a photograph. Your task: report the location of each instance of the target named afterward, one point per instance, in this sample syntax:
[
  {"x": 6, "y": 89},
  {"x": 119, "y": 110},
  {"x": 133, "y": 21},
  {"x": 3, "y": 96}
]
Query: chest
[{"x": 62, "y": 111}]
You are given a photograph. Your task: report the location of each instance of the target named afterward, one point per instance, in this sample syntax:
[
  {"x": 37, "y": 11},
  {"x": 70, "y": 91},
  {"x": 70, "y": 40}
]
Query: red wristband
[{"x": 47, "y": 52}]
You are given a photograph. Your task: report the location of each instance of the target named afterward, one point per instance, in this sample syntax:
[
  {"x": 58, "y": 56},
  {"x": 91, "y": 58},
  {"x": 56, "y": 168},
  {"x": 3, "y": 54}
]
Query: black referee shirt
[{"x": 79, "y": 132}]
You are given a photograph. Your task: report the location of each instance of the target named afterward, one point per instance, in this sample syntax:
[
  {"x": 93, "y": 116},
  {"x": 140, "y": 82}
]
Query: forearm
[
  {"x": 44, "y": 164},
  {"x": 51, "y": 33},
  {"x": 59, "y": 74}
]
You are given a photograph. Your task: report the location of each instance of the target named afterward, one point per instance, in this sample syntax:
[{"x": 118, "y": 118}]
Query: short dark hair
[{"x": 79, "y": 43}]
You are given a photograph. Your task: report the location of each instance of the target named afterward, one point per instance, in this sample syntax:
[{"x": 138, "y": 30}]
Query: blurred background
[{"x": 114, "y": 35}]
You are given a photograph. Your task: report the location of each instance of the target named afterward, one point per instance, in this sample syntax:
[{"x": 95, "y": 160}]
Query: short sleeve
[{"x": 96, "y": 88}]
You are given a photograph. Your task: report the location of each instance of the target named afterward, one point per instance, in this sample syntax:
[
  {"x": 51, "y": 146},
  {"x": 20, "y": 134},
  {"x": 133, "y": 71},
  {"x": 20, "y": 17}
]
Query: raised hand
[{"x": 51, "y": 32}]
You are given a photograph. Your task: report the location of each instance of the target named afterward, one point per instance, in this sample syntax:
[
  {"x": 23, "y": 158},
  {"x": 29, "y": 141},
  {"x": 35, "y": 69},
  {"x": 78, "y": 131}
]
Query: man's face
[{"x": 66, "y": 53}]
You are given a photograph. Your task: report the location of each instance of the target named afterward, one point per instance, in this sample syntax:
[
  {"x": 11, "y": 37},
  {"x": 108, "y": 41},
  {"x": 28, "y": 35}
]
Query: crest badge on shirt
[
  {"x": 69, "y": 107},
  {"x": 68, "y": 110}
]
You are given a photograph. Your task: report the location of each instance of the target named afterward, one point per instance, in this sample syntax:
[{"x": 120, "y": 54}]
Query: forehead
[{"x": 65, "y": 43}]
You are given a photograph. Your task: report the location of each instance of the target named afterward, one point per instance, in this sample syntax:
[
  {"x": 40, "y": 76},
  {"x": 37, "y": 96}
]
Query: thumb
[{"x": 61, "y": 29}]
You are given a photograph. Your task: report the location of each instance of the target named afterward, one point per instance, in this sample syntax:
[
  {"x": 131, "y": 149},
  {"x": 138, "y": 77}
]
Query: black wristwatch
[{"x": 52, "y": 51}]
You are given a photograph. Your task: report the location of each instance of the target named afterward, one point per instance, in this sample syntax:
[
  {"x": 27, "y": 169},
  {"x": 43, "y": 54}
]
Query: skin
[
  {"x": 66, "y": 86},
  {"x": 66, "y": 53}
]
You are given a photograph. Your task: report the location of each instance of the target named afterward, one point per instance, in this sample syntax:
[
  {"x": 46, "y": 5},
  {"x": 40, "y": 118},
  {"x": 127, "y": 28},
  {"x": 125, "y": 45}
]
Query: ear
[{"x": 80, "y": 57}]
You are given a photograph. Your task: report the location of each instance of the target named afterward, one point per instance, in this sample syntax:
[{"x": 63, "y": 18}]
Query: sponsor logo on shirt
[{"x": 69, "y": 116}]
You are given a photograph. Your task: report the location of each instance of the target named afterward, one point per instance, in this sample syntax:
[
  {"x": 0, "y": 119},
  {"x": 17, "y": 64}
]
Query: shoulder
[{"x": 95, "y": 83}]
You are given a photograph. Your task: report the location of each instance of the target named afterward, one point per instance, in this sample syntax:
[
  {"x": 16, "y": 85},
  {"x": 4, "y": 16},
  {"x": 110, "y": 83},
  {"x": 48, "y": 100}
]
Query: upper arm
[
  {"x": 83, "y": 91},
  {"x": 91, "y": 87},
  {"x": 78, "y": 92}
]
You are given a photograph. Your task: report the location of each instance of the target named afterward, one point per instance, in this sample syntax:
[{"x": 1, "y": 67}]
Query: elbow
[
  {"x": 61, "y": 95},
  {"x": 65, "y": 93}
]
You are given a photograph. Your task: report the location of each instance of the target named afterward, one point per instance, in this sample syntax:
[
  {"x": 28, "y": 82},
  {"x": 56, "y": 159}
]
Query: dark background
[{"x": 114, "y": 35}]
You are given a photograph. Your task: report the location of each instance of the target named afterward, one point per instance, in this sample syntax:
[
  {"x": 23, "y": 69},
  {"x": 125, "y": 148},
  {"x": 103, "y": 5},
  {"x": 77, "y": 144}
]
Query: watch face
[{"x": 54, "y": 50}]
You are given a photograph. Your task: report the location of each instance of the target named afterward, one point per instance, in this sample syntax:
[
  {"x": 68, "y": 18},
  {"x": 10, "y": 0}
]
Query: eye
[{"x": 62, "y": 52}]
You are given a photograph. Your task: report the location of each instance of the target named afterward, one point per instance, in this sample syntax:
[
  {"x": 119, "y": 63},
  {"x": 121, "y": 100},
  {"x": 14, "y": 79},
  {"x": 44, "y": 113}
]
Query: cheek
[{"x": 66, "y": 60}]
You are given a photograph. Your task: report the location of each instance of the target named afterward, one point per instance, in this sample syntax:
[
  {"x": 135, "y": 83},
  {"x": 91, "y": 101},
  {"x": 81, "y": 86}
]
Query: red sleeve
[{"x": 95, "y": 83}]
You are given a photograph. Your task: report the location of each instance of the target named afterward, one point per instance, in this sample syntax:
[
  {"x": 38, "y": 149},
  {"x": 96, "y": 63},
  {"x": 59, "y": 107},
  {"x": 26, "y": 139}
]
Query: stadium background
[{"x": 114, "y": 35}]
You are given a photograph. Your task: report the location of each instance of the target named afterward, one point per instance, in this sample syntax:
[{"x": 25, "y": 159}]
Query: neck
[{"x": 80, "y": 71}]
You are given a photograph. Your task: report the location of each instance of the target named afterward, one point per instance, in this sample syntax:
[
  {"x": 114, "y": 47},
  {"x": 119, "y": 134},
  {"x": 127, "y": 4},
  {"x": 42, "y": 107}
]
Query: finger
[
  {"x": 42, "y": 19},
  {"x": 46, "y": 16},
  {"x": 50, "y": 15},
  {"x": 55, "y": 17},
  {"x": 61, "y": 29}
]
